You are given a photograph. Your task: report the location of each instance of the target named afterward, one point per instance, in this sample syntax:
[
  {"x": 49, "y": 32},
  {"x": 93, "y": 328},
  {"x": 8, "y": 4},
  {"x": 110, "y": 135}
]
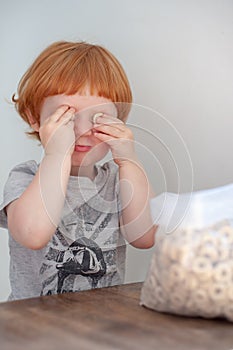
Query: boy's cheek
[{"x": 44, "y": 114}]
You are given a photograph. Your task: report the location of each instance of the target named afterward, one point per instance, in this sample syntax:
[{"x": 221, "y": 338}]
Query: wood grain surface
[{"x": 107, "y": 318}]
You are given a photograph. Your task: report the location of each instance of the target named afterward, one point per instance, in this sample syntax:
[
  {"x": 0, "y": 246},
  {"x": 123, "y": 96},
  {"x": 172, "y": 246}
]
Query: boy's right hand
[{"x": 57, "y": 132}]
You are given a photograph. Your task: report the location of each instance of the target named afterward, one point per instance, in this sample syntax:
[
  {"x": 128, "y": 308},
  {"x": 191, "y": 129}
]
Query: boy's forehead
[{"x": 79, "y": 102}]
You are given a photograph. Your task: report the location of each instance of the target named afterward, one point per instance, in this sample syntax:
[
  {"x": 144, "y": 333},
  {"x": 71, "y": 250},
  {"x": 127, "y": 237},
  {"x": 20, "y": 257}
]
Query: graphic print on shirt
[
  {"x": 76, "y": 262},
  {"x": 84, "y": 258}
]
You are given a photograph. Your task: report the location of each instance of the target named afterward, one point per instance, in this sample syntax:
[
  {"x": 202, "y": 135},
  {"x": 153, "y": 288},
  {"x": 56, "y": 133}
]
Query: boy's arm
[
  {"x": 135, "y": 194},
  {"x": 33, "y": 218}
]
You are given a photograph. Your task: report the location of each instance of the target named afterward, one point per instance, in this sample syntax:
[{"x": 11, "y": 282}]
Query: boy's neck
[{"x": 89, "y": 171}]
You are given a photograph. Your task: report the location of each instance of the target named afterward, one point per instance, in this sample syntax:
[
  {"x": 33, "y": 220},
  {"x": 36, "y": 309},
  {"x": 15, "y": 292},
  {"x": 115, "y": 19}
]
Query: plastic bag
[{"x": 191, "y": 270}]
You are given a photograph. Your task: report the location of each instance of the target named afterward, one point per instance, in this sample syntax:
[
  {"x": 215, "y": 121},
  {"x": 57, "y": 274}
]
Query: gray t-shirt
[{"x": 86, "y": 251}]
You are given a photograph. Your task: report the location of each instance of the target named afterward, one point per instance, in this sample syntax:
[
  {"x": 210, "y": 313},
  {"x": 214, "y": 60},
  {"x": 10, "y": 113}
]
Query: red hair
[{"x": 68, "y": 68}]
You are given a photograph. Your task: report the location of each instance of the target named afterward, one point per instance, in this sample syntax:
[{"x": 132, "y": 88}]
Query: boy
[{"x": 68, "y": 218}]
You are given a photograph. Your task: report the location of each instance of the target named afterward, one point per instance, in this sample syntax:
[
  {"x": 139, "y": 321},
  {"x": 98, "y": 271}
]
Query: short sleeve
[{"x": 18, "y": 180}]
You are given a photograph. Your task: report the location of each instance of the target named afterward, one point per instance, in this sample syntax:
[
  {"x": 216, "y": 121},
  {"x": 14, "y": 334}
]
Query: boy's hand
[
  {"x": 118, "y": 136},
  {"x": 57, "y": 132}
]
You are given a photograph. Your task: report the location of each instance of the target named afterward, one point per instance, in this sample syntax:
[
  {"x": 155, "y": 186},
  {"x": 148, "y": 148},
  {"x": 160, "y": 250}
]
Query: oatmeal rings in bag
[{"x": 191, "y": 270}]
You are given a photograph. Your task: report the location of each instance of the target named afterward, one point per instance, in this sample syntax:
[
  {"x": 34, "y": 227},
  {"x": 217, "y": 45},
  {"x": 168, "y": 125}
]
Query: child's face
[{"x": 86, "y": 106}]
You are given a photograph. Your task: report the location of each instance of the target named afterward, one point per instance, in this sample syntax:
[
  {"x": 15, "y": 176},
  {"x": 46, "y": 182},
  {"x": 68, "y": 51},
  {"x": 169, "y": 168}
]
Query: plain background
[{"x": 178, "y": 56}]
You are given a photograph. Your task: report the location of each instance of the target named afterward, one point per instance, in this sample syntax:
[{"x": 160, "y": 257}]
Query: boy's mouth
[{"x": 82, "y": 148}]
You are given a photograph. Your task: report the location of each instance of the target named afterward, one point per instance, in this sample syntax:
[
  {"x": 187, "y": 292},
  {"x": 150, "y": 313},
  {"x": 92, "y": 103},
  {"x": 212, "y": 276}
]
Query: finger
[
  {"x": 58, "y": 113},
  {"x": 121, "y": 127},
  {"x": 111, "y": 130},
  {"x": 104, "y": 137},
  {"x": 67, "y": 117}
]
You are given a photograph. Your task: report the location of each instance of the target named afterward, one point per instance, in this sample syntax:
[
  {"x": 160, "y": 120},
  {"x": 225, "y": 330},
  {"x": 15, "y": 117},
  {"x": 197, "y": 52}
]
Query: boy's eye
[
  {"x": 95, "y": 116},
  {"x": 92, "y": 118}
]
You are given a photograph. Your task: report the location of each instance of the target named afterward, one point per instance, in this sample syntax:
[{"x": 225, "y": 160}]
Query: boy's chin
[
  {"x": 83, "y": 160},
  {"x": 88, "y": 158}
]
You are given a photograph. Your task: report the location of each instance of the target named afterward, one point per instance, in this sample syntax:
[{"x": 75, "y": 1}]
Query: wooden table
[{"x": 107, "y": 318}]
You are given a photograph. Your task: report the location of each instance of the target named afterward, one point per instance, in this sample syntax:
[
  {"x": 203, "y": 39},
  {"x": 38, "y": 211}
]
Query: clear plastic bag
[{"x": 191, "y": 270}]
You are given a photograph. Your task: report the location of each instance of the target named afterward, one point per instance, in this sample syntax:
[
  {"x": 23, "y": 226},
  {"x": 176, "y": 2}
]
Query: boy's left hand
[{"x": 118, "y": 136}]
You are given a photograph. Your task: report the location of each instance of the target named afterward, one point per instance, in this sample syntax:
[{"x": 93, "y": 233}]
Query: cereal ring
[
  {"x": 176, "y": 273},
  {"x": 95, "y": 116},
  {"x": 227, "y": 231},
  {"x": 202, "y": 267},
  {"x": 200, "y": 297},
  {"x": 209, "y": 252},
  {"x": 222, "y": 272},
  {"x": 217, "y": 292}
]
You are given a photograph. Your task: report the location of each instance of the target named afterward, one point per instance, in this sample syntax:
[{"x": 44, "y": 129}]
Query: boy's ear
[{"x": 33, "y": 122}]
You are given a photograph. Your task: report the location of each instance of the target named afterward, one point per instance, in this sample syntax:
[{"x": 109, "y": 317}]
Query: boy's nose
[{"x": 82, "y": 126}]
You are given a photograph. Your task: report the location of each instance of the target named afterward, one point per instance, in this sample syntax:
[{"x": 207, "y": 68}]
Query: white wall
[{"x": 178, "y": 55}]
